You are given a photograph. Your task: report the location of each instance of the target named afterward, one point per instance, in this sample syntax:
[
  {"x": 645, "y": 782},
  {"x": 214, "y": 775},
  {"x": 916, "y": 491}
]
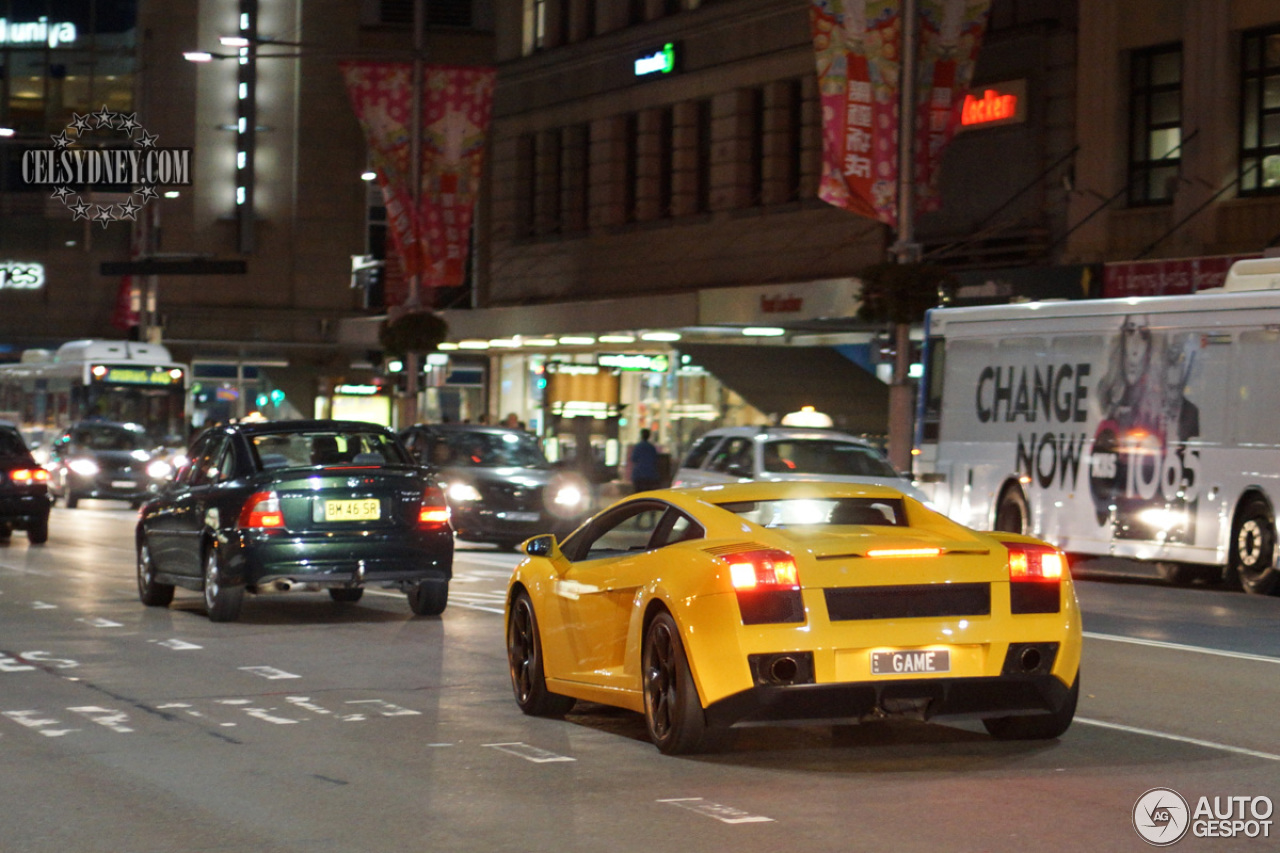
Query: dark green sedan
[{"x": 288, "y": 505}]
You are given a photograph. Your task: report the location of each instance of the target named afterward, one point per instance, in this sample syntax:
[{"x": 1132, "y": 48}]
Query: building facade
[
  {"x": 654, "y": 193},
  {"x": 282, "y": 192}
]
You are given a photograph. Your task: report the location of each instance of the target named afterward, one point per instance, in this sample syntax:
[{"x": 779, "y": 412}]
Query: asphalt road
[{"x": 311, "y": 726}]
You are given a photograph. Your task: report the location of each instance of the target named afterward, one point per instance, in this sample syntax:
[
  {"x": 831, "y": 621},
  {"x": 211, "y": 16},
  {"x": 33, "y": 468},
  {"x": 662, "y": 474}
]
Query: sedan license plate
[
  {"x": 123, "y": 484},
  {"x": 906, "y": 662},
  {"x": 518, "y": 516},
  {"x": 369, "y": 509}
]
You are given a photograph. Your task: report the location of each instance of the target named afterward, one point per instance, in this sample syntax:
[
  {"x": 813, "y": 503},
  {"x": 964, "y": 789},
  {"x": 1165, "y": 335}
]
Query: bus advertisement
[{"x": 1144, "y": 428}]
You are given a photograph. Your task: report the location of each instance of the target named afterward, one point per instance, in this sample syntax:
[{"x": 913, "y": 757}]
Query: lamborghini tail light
[
  {"x": 1029, "y": 562},
  {"x": 262, "y": 510},
  {"x": 763, "y": 569}
]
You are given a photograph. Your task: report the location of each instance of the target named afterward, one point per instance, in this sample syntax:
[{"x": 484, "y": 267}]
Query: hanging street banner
[
  {"x": 857, "y": 45},
  {"x": 950, "y": 34},
  {"x": 432, "y": 238}
]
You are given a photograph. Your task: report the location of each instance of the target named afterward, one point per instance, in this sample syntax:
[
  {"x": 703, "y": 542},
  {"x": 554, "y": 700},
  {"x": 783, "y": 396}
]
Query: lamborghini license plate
[
  {"x": 906, "y": 662},
  {"x": 368, "y": 509}
]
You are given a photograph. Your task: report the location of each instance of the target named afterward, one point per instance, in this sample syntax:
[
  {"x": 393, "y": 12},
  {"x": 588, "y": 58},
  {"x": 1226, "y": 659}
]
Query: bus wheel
[
  {"x": 1253, "y": 548},
  {"x": 1011, "y": 515}
]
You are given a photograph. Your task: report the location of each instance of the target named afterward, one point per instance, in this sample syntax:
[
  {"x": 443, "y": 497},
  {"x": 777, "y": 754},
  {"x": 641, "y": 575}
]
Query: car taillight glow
[
  {"x": 29, "y": 475},
  {"x": 434, "y": 511},
  {"x": 904, "y": 552},
  {"x": 262, "y": 510},
  {"x": 762, "y": 569},
  {"x": 1035, "y": 563}
]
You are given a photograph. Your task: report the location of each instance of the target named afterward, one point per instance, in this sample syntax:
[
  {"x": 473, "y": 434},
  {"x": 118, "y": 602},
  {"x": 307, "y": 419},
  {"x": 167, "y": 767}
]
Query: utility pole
[
  {"x": 905, "y": 249},
  {"x": 413, "y": 302}
]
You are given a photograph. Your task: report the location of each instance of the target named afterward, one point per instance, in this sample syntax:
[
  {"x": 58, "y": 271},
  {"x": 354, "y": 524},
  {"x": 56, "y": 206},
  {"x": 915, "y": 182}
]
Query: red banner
[
  {"x": 858, "y": 46},
  {"x": 950, "y": 34},
  {"x": 433, "y": 237}
]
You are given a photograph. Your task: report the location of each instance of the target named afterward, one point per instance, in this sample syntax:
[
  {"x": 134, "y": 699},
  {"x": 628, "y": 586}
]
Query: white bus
[
  {"x": 105, "y": 380},
  {"x": 1144, "y": 428}
]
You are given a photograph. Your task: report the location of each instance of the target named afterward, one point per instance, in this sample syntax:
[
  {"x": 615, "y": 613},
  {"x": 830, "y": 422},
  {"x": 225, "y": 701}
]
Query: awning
[{"x": 781, "y": 379}]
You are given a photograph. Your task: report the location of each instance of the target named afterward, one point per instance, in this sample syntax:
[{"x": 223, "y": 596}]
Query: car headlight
[
  {"x": 159, "y": 470},
  {"x": 463, "y": 492},
  {"x": 84, "y": 467},
  {"x": 568, "y": 496}
]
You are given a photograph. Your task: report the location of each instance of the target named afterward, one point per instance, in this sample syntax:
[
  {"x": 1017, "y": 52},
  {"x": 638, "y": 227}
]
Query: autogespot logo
[
  {"x": 134, "y": 172},
  {"x": 1161, "y": 817}
]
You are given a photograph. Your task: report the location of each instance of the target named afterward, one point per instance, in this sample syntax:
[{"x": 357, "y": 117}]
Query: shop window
[
  {"x": 1155, "y": 124},
  {"x": 547, "y": 182},
  {"x": 702, "y": 185},
  {"x": 575, "y": 170},
  {"x": 630, "y": 165},
  {"x": 526, "y": 187},
  {"x": 1260, "y": 112}
]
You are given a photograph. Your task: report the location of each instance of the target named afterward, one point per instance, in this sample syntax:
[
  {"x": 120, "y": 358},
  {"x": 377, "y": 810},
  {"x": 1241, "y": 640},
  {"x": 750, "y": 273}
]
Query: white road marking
[
  {"x": 40, "y": 605},
  {"x": 114, "y": 720},
  {"x": 1179, "y": 647},
  {"x": 724, "y": 814},
  {"x": 269, "y": 672},
  {"x": 175, "y": 644},
  {"x": 456, "y": 599},
  {"x": 32, "y": 720},
  {"x": 529, "y": 753},
  {"x": 306, "y": 704},
  {"x": 8, "y": 664},
  {"x": 99, "y": 622},
  {"x": 1208, "y": 744},
  {"x": 385, "y": 708}
]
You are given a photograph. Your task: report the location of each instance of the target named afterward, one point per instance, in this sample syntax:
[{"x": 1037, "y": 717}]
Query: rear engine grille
[{"x": 908, "y": 602}]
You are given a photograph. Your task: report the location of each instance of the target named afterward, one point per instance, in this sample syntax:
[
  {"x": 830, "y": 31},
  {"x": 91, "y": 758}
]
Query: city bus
[
  {"x": 1145, "y": 428},
  {"x": 118, "y": 381}
]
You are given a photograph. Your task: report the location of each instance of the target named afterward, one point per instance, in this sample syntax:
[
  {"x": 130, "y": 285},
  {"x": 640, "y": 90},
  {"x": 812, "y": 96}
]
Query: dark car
[
  {"x": 277, "y": 506},
  {"x": 112, "y": 461},
  {"x": 24, "y": 489},
  {"x": 501, "y": 488}
]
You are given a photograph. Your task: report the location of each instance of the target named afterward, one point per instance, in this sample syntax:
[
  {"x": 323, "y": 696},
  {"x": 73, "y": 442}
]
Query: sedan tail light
[
  {"x": 262, "y": 510},
  {"x": 434, "y": 512},
  {"x": 29, "y": 475},
  {"x": 764, "y": 569},
  {"x": 1029, "y": 562}
]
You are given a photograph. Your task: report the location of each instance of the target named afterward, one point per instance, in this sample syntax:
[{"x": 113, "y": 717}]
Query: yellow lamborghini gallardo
[{"x": 766, "y": 603}]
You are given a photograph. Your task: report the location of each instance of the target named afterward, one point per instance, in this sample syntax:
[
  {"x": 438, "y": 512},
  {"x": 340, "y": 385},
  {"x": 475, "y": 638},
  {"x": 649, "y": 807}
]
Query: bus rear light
[
  {"x": 765, "y": 569},
  {"x": 262, "y": 511},
  {"x": 1035, "y": 563}
]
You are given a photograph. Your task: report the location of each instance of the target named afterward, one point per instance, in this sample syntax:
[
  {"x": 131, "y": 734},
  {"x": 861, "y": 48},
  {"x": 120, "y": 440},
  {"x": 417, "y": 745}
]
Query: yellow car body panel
[{"x": 592, "y": 613}]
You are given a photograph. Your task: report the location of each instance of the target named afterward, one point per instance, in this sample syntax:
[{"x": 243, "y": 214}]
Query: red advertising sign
[
  {"x": 1167, "y": 277},
  {"x": 431, "y": 238},
  {"x": 858, "y": 44}
]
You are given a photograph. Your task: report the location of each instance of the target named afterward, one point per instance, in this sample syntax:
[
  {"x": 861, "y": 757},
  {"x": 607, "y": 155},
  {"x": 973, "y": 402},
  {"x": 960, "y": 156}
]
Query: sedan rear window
[
  {"x": 11, "y": 443},
  {"x": 823, "y": 456},
  {"x": 798, "y": 512},
  {"x": 306, "y": 449}
]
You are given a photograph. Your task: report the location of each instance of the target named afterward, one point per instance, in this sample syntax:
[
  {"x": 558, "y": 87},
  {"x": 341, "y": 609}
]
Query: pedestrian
[
  {"x": 512, "y": 421},
  {"x": 643, "y": 464}
]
